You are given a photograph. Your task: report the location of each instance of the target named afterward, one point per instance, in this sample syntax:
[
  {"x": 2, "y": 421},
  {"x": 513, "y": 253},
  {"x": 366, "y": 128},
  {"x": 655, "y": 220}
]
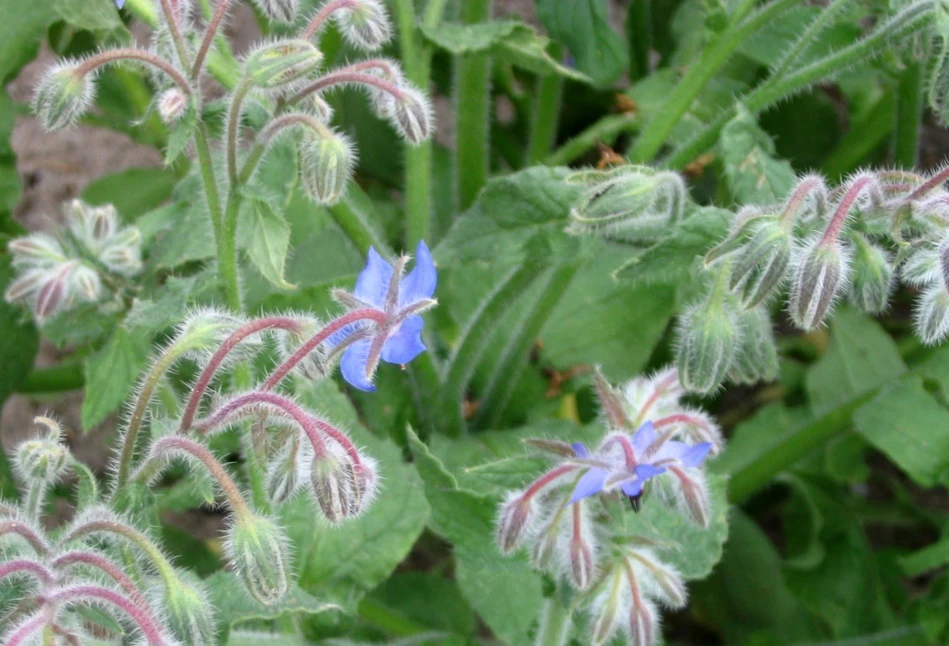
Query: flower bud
[
  {"x": 606, "y": 609},
  {"x": 821, "y": 273},
  {"x": 335, "y": 486},
  {"x": 871, "y": 280},
  {"x": 278, "y": 63},
  {"x": 86, "y": 283},
  {"x": 326, "y": 166},
  {"x": 411, "y": 115},
  {"x": 668, "y": 587},
  {"x": 319, "y": 107},
  {"x": 258, "y": 551},
  {"x": 280, "y": 10},
  {"x": 187, "y": 612},
  {"x": 27, "y": 285},
  {"x": 42, "y": 458},
  {"x": 63, "y": 95},
  {"x": 693, "y": 492},
  {"x": 708, "y": 340},
  {"x": 122, "y": 258},
  {"x": 582, "y": 565},
  {"x": 545, "y": 545},
  {"x": 203, "y": 331},
  {"x": 756, "y": 358},
  {"x": 172, "y": 105},
  {"x": 643, "y": 623},
  {"x": 932, "y": 314},
  {"x": 37, "y": 249},
  {"x": 762, "y": 263},
  {"x": 365, "y": 25},
  {"x": 631, "y": 203},
  {"x": 283, "y": 472},
  {"x": 517, "y": 514},
  {"x": 54, "y": 295}
]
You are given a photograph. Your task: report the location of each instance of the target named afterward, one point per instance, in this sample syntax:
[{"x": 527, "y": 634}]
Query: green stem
[
  {"x": 774, "y": 89},
  {"x": 56, "y": 379},
  {"x": 233, "y": 130},
  {"x": 472, "y": 110},
  {"x": 639, "y": 36},
  {"x": 500, "y": 385},
  {"x": 605, "y": 130},
  {"x": 546, "y": 115},
  {"x": 165, "y": 569},
  {"x": 554, "y": 629},
  {"x": 227, "y": 252},
  {"x": 751, "y": 478},
  {"x": 695, "y": 80},
  {"x": 909, "y": 115},
  {"x": 474, "y": 340}
]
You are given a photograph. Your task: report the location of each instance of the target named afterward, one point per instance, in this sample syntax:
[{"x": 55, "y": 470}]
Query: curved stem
[
  {"x": 174, "y": 444},
  {"x": 115, "y": 55},
  {"x": 931, "y": 184},
  {"x": 27, "y": 533},
  {"x": 23, "y": 633},
  {"x": 549, "y": 477},
  {"x": 175, "y": 30},
  {"x": 343, "y": 78},
  {"x": 213, "y": 25},
  {"x": 323, "y": 14},
  {"x": 204, "y": 379},
  {"x": 140, "y": 540},
  {"x": 111, "y": 570},
  {"x": 365, "y": 314},
  {"x": 857, "y": 187},
  {"x": 25, "y": 566},
  {"x": 79, "y": 593}
]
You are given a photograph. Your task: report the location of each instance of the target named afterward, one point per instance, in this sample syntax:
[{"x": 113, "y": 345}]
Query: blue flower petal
[
  {"x": 353, "y": 365},
  {"x": 421, "y": 281},
  {"x": 373, "y": 281},
  {"x": 644, "y": 472},
  {"x": 589, "y": 484},
  {"x": 119, "y": 3},
  {"x": 644, "y": 437},
  {"x": 580, "y": 449},
  {"x": 696, "y": 455},
  {"x": 406, "y": 344},
  {"x": 632, "y": 488}
]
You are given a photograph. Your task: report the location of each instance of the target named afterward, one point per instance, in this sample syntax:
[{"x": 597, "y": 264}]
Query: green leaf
[
  {"x": 133, "y": 191},
  {"x": 905, "y": 422},
  {"x": 755, "y": 436},
  {"x": 268, "y": 243},
  {"x": 180, "y": 133},
  {"x": 861, "y": 356},
  {"x": 184, "y": 235},
  {"x": 507, "y": 40},
  {"x": 358, "y": 555},
  {"x": 20, "y": 339},
  {"x": 754, "y": 175},
  {"x": 233, "y": 606},
  {"x": 167, "y": 306},
  {"x": 427, "y": 600},
  {"x": 94, "y": 15},
  {"x": 583, "y": 26},
  {"x": 22, "y": 28},
  {"x": 505, "y": 592},
  {"x": 111, "y": 374}
]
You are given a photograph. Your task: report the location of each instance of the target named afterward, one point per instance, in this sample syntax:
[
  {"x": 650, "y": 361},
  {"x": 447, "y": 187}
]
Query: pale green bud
[
  {"x": 279, "y": 63},
  {"x": 258, "y": 552},
  {"x": 280, "y": 10},
  {"x": 411, "y": 114},
  {"x": 36, "y": 249},
  {"x": 63, "y": 95},
  {"x": 336, "y": 487},
  {"x": 42, "y": 458},
  {"x": 756, "y": 358},
  {"x": 821, "y": 274},
  {"x": 172, "y": 105},
  {"x": 326, "y": 166},
  {"x": 365, "y": 25},
  {"x": 871, "y": 280},
  {"x": 761, "y": 264},
  {"x": 187, "y": 612},
  {"x": 932, "y": 314},
  {"x": 707, "y": 343}
]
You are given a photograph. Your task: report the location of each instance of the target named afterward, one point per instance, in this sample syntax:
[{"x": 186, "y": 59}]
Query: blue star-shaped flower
[
  {"x": 398, "y": 340},
  {"x": 649, "y": 456},
  {"x": 119, "y": 3}
]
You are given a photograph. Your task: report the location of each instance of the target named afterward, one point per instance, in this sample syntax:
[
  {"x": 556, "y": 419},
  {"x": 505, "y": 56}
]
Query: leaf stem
[
  {"x": 546, "y": 116},
  {"x": 909, "y": 115}
]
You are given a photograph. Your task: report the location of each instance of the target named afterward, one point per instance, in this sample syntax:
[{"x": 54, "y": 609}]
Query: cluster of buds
[
  {"x": 652, "y": 453},
  {"x": 285, "y": 74},
  {"x": 300, "y": 450},
  {"x": 83, "y": 264},
  {"x": 819, "y": 246}
]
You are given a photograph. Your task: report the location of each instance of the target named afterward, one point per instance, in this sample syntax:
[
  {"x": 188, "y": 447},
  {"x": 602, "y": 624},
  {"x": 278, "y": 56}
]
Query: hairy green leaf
[
  {"x": 583, "y": 26},
  {"x": 112, "y": 374}
]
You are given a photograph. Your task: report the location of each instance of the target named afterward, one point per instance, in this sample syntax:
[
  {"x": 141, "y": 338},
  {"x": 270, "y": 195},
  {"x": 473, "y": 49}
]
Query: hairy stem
[
  {"x": 213, "y": 25},
  {"x": 472, "y": 110},
  {"x": 115, "y": 55}
]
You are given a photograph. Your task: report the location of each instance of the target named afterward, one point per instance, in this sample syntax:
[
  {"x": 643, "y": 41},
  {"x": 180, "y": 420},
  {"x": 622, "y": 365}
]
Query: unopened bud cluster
[
  {"x": 817, "y": 248},
  {"x": 81, "y": 265},
  {"x": 652, "y": 453}
]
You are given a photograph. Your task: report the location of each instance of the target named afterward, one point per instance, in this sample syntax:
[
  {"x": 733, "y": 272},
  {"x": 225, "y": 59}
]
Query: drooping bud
[
  {"x": 258, "y": 552},
  {"x": 86, "y": 283},
  {"x": 37, "y": 249},
  {"x": 707, "y": 343},
  {"x": 632, "y": 203},
  {"x": 278, "y": 63},
  {"x": 42, "y": 458},
  {"x": 187, "y": 613},
  {"x": 693, "y": 492},
  {"x": 821, "y": 274},
  {"x": 581, "y": 561},
  {"x": 606, "y": 609},
  {"x": 762, "y": 263},
  {"x": 643, "y": 623},
  {"x": 335, "y": 486},
  {"x": 871, "y": 280},
  {"x": 756, "y": 358},
  {"x": 283, "y": 472},
  {"x": 931, "y": 314},
  {"x": 319, "y": 107},
  {"x": 63, "y": 95},
  {"x": 517, "y": 514},
  {"x": 123, "y": 252},
  {"x": 27, "y": 285},
  {"x": 53, "y": 295},
  {"x": 669, "y": 587},
  {"x": 326, "y": 166},
  {"x": 280, "y": 10},
  {"x": 172, "y": 105},
  {"x": 365, "y": 25},
  {"x": 411, "y": 114}
]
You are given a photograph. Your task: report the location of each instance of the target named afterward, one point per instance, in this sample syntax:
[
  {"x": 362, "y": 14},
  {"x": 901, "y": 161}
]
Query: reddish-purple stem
[
  {"x": 681, "y": 418},
  {"x": 324, "y": 13},
  {"x": 628, "y": 452},
  {"x": 79, "y": 593},
  {"x": 933, "y": 182},
  {"x": 364, "y": 314},
  {"x": 39, "y": 570},
  {"x": 25, "y": 532},
  {"x": 204, "y": 380},
  {"x": 341, "y": 78},
  {"x": 546, "y": 479},
  {"x": 111, "y": 570},
  {"x": 843, "y": 209},
  {"x": 219, "y": 12},
  {"x": 23, "y": 632}
]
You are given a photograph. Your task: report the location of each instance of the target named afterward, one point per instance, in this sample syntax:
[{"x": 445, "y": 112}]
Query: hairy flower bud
[
  {"x": 86, "y": 283},
  {"x": 821, "y": 274},
  {"x": 283, "y": 472},
  {"x": 279, "y": 63},
  {"x": 517, "y": 514},
  {"x": 280, "y": 10},
  {"x": 187, "y": 611},
  {"x": 931, "y": 314},
  {"x": 37, "y": 249},
  {"x": 172, "y": 105},
  {"x": 643, "y": 623},
  {"x": 42, "y": 458},
  {"x": 708, "y": 340},
  {"x": 762, "y": 262},
  {"x": 606, "y": 609},
  {"x": 411, "y": 114},
  {"x": 365, "y": 25},
  {"x": 633, "y": 203},
  {"x": 582, "y": 563},
  {"x": 871, "y": 280},
  {"x": 63, "y": 95},
  {"x": 258, "y": 551},
  {"x": 54, "y": 294},
  {"x": 756, "y": 357},
  {"x": 326, "y": 166},
  {"x": 335, "y": 486}
]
